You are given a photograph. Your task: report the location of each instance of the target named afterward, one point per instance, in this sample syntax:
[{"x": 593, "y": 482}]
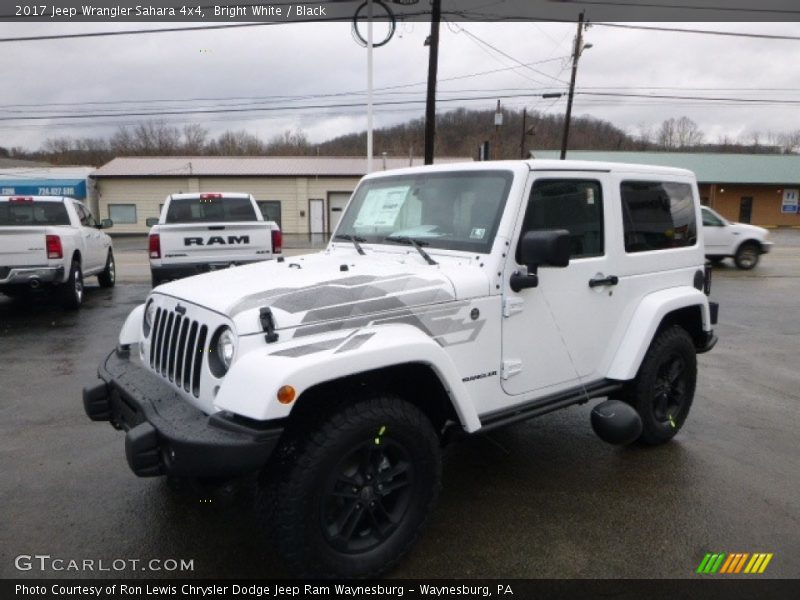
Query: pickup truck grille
[{"x": 177, "y": 348}]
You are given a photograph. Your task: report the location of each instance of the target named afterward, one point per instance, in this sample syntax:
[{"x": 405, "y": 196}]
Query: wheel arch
[
  {"x": 414, "y": 382},
  {"x": 686, "y": 307}
]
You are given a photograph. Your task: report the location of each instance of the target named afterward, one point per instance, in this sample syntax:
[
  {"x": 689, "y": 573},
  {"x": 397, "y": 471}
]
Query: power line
[
  {"x": 227, "y": 110},
  {"x": 739, "y": 34},
  {"x": 694, "y": 7}
]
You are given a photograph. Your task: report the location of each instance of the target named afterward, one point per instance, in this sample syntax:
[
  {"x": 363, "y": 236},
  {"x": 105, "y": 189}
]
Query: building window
[
  {"x": 658, "y": 215},
  {"x": 270, "y": 210},
  {"x": 122, "y": 214}
]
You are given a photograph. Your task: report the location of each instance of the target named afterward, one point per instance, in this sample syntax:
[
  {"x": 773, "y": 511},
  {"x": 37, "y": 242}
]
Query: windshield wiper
[
  {"x": 401, "y": 239},
  {"x": 352, "y": 238}
]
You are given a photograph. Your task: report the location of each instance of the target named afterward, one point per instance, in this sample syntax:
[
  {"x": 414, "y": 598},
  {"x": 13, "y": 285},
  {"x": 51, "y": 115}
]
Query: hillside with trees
[{"x": 458, "y": 133}]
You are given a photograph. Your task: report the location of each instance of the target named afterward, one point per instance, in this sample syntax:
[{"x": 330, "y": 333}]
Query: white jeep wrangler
[{"x": 451, "y": 300}]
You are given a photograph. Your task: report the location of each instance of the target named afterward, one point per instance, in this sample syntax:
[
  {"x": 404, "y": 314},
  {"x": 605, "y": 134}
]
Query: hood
[
  {"x": 752, "y": 230},
  {"x": 314, "y": 288}
]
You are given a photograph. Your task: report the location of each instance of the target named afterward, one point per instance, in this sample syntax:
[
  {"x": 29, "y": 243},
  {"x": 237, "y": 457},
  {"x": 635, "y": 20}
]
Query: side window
[
  {"x": 83, "y": 215},
  {"x": 710, "y": 219},
  {"x": 658, "y": 215},
  {"x": 572, "y": 204}
]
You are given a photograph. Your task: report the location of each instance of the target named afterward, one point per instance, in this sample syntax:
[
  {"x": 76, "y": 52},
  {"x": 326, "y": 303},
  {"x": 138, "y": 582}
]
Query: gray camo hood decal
[{"x": 306, "y": 291}]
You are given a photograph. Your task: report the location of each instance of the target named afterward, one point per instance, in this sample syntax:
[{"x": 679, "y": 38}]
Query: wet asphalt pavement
[{"x": 545, "y": 498}]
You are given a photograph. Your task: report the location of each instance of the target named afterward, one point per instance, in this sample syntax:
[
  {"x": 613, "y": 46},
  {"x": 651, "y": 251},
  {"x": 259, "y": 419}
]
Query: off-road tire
[
  {"x": 378, "y": 457},
  {"x": 71, "y": 291},
  {"x": 108, "y": 277},
  {"x": 747, "y": 256},
  {"x": 663, "y": 390}
]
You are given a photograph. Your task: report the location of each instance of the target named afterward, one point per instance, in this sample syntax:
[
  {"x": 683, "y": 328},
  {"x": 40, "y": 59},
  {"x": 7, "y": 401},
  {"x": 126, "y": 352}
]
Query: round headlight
[
  {"x": 149, "y": 317},
  {"x": 226, "y": 347}
]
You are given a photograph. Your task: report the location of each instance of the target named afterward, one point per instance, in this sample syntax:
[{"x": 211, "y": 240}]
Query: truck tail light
[
  {"x": 277, "y": 241},
  {"x": 154, "y": 245},
  {"x": 54, "y": 248}
]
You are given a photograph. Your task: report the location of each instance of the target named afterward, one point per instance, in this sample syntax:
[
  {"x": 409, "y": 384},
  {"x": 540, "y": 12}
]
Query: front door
[
  {"x": 715, "y": 234},
  {"x": 560, "y": 334},
  {"x": 316, "y": 208}
]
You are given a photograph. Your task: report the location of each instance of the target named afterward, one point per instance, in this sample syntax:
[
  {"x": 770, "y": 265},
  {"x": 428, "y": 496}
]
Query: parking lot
[{"x": 545, "y": 498}]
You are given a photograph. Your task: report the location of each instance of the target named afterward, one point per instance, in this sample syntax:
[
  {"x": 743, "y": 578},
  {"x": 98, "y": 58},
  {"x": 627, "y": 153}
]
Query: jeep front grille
[{"x": 177, "y": 346}]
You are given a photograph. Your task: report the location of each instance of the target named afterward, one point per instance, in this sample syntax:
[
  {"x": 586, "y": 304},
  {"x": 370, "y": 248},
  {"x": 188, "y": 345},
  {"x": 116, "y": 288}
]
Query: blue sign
[{"x": 74, "y": 188}]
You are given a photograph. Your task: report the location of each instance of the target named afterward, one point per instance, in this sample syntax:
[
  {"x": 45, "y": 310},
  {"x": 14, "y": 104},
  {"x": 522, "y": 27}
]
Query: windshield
[
  {"x": 458, "y": 210},
  {"x": 33, "y": 213},
  {"x": 210, "y": 210}
]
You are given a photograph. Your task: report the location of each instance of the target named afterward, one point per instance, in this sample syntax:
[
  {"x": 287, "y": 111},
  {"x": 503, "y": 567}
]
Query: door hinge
[
  {"x": 511, "y": 367},
  {"x": 512, "y": 306}
]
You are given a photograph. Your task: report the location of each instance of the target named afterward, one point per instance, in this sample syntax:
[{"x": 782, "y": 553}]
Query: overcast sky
[{"x": 277, "y": 65}]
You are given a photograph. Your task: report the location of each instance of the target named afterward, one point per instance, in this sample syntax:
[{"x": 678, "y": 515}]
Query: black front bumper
[{"x": 168, "y": 436}]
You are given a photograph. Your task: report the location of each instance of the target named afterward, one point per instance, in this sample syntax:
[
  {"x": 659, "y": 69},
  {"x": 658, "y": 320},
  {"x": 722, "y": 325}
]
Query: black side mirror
[
  {"x": 106, "y": 224},
  {"x": 151, "y": 221},
  {"x": 545, "y": 248},
  {"x": 541, "y": 248}
]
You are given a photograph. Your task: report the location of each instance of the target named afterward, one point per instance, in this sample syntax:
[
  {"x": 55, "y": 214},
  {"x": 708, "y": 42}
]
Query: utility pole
[
  {"x": 576, "y": 53},
  {"x": 524, "y": 133},
  {"x": 433, "y": 62},
  {"x": 498, "y": 121}
]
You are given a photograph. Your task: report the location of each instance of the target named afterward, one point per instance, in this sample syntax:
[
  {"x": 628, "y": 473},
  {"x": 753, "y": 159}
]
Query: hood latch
[{"x": 268, "y": 324}]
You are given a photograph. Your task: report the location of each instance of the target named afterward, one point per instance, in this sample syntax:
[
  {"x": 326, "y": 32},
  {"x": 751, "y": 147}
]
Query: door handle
[{"x": 610, "y": 280}]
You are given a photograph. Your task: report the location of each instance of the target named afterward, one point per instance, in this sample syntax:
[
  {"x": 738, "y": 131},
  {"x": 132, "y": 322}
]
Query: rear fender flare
[{"x": 643, "y": 326}]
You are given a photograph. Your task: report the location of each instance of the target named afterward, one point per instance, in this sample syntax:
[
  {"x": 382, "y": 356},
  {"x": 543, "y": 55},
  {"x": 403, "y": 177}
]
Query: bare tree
[
  {"x": 236, "y": 143},
  {"x": 194, "y": 139},
  {"x": 687, "y": 133}
]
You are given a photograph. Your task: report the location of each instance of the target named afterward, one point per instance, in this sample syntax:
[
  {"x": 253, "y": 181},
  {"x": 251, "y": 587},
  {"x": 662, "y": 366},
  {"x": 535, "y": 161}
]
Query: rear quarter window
[
  {"x": 658, "y": 215},
  {"x": 210, "y": 210},
  {"x": 19, "y": 214}
]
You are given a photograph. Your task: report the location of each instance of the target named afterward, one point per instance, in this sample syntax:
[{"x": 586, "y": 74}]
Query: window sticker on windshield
[
  {"x": 477, "y": 233},
  {"x": 589, "y": 195},
  {"x": 381, "y": 207}
]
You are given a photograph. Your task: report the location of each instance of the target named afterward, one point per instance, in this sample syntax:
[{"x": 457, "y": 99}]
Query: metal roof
[
  {"x": 776, "y": 169},
  {"x": 239, "y": 166}
]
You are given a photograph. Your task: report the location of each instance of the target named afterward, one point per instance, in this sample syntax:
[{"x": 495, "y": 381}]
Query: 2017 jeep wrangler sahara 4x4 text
[{"x": 451, "y": 300}]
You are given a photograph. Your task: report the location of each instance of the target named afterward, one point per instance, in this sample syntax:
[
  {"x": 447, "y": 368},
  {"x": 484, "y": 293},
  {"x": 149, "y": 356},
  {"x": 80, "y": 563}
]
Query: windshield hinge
[{"x": 513, "y": 306}]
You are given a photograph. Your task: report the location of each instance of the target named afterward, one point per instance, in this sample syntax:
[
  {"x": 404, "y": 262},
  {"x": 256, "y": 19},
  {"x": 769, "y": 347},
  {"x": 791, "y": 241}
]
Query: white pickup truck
[
  {"x": 52, "y": 241},
  {"x": 743, "y": 242},
  {"x": 202, "y": 232}
]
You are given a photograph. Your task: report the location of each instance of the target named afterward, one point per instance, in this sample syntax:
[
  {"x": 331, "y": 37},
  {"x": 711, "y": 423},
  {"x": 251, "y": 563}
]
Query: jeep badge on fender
[
  {"x": 473, "y": 296},
  {"x": 202, "y": 232}
]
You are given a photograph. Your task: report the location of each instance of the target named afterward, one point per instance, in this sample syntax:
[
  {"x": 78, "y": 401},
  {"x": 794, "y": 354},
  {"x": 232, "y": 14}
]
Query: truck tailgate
[
  {"x": 22, "y": 246},
  {"x": 231, "y": 242}
]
